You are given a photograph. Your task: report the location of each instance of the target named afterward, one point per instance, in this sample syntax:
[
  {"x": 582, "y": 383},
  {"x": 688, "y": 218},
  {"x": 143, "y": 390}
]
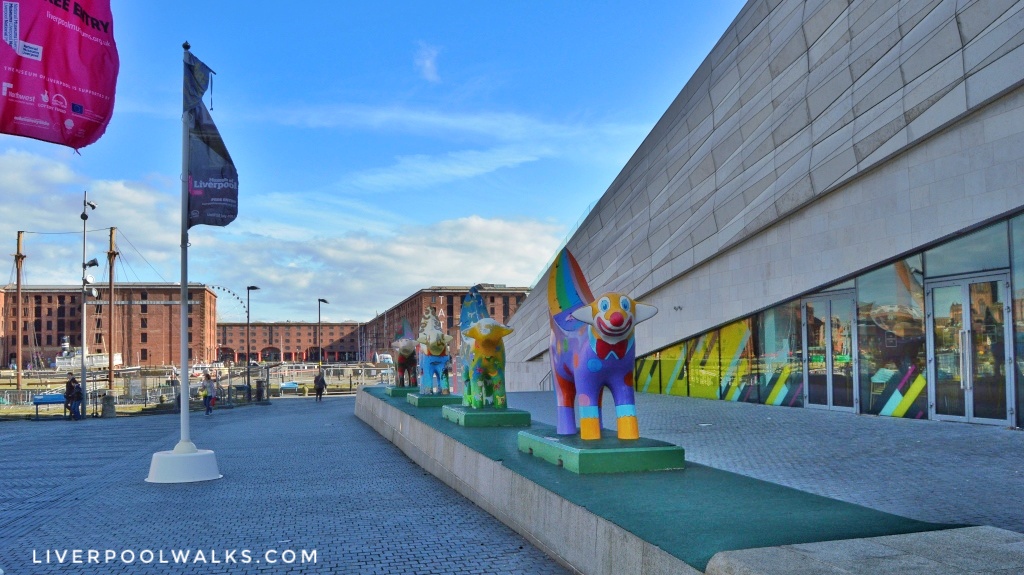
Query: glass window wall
[
  {"x": 702, "y": 363},
  {"x": 1017, "y": 251},
  {"x": 891, "y": 338},
  {"x": 983, "y": 250},
  {"x": 736, "y": 345},
  {"x": 779, "y": 352},
  {"x": 759, "y": 359}
]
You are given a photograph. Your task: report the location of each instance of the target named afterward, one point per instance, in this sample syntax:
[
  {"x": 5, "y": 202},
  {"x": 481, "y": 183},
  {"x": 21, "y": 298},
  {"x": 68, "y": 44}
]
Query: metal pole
[
  {"x": 111, "y": 254},
  {"x": 19, "y": 258},
  {"x": 248, "y": 352},
  {"x": 85, "y": 341},
  {"x": 248, "y": 385},
  {"x": 319, "y": 336},
  {"x": 185, "y": 445}
]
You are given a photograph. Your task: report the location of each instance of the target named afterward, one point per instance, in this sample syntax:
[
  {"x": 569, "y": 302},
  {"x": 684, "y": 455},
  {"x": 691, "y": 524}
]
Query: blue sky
[{"x": 381, "y": 147}]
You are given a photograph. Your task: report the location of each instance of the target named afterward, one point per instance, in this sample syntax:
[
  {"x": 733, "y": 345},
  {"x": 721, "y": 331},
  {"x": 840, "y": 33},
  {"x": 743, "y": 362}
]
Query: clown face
[{"x": 614, "y": 315}]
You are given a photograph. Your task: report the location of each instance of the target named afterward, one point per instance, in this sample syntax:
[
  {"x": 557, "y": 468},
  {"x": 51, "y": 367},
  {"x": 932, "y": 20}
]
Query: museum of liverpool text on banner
[
  {"x": 212, "y": 178},
  {"x": 58, "y": 70}
]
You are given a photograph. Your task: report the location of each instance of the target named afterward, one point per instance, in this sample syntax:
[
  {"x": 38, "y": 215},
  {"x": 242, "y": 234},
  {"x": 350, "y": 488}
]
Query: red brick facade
[
  {"x": 145, "y": 326},
  {"x": 377, "y": 334}
]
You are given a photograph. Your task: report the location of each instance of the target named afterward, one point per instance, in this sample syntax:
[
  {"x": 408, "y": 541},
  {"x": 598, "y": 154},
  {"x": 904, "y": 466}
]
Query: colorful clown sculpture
[
  {"x": 592, "y": 348},
  {"x": 405, "y": 360},
  {"x": 433, "y": 355}
]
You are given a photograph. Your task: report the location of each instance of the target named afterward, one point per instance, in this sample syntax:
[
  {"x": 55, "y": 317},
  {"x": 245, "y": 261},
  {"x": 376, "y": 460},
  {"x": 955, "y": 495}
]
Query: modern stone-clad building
[{"x": 830, "y": 214}]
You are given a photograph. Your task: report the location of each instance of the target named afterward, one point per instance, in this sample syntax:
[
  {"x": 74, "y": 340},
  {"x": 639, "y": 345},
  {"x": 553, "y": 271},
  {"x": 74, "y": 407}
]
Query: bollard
[{"x": 109, "y": 407}]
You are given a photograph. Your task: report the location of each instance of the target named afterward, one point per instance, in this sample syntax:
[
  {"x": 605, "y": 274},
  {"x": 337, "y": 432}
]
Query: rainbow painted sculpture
[
  {"x": 486, "y": 383},
  {"x": 473, "y": 310},
  {"x": 433, "y": 356},
  {"x": 592, "y": 348},
  {"x": 405, "y": 361}
]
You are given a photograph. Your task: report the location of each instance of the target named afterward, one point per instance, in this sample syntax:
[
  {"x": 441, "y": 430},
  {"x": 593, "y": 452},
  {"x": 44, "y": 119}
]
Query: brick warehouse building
[
  {"x": 145, "y": 323},
  {"x": 288, "y": 341},
  {"x": 377, "y": 334}
]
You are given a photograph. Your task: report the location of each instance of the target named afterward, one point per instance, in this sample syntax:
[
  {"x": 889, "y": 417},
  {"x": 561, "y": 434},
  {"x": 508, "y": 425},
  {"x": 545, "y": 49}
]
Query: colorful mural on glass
[{"x": 592, "y": 347}]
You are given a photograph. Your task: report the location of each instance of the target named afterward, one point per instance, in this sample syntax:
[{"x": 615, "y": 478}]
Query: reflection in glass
[
  {"x": 817, "y": 345},
  {"x": 988, "y": 350},
  {"x": 778, "y": 356},
  {"x": 948, "y": 336},
  {"x": 985, "y": 249},
  {"x": 891, "y": 340},
  {"x": 841, "y": 349},
  {"x": 1017, "y": 236}
]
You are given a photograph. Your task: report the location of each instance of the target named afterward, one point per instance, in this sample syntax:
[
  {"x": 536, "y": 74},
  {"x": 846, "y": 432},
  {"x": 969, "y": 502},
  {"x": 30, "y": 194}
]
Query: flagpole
[
  {"x": 185, "y": 464},
  {"x": 185, "y": 445}
]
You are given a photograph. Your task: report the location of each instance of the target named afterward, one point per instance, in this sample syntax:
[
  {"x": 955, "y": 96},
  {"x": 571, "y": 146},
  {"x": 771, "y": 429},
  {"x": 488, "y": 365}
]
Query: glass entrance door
[
  {"x": 970, "y": 355},
  {"x": 829, "y": 344}
]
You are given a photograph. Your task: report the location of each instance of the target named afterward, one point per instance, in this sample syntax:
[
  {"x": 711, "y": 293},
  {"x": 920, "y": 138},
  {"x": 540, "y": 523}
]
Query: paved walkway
[
  {"x": 927, "y": 470},
  {"x": 302, "y": 476},
  {"x": 298, "y": 477}
]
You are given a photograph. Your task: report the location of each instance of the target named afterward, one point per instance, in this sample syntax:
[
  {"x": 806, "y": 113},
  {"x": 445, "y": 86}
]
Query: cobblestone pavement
[
  {"x": 926, "y": 470},
  {"x": 299, "y": 476}
]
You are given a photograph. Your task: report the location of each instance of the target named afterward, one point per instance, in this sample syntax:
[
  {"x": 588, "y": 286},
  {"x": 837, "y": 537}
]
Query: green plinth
[
  {"x": 605, "y": 455},
  {"x": 395, "y": 391},
  {"x": 486, "y": 416},
  {"x": 432, "y": 400}
]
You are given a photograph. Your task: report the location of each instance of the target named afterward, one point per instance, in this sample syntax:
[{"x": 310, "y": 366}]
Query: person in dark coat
[
  {"x": 69, "y": 390},
  {"x": 319, "y": 385},
  {"x": 76, "y": 401}
]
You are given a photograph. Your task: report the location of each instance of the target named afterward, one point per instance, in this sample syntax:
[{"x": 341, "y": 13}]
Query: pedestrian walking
[
  {"x": 76, "y": 400},
  {"x": 69, "y": 390},
  {"x": 209, "y": 392},
  {"x": 319, "y": 385}
]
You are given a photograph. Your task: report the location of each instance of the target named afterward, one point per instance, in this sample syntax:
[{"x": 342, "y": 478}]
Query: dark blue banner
[{"x": 212, "y": 178}]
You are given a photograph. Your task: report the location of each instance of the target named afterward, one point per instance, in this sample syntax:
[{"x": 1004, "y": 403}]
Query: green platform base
[
  {"x": 485, "y": 416},
  {"x": 394, "y": 391},
  {"x": 605, "y": 455},
  {"x": 432, "y": 400}
]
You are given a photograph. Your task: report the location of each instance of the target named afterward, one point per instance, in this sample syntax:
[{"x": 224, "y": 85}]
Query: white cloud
[
  {"x": 421, "y": 170},
  {"x": 359, "y": 269},
  {"x": 426, "y": 61}
]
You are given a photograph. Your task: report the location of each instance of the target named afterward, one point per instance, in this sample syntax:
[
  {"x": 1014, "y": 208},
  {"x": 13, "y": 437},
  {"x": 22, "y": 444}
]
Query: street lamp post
[
  {"x": 319, "y": 337},
  {"x": 86, "y": 280},
  {"x": 248, "y": 353}
]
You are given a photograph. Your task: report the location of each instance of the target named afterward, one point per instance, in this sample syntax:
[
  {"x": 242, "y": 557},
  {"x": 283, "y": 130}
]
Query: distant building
[
  {"x": 146, "y": 323},
  {"x": 377, "y": 334},
  {"x": 288, "y": 341}
]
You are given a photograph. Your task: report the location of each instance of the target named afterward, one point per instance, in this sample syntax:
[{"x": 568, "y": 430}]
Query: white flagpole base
[{"x": 175, "y": 467}]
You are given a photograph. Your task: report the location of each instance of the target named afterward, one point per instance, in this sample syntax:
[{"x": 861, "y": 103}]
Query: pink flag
[{"x": 58, "y": 70}]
